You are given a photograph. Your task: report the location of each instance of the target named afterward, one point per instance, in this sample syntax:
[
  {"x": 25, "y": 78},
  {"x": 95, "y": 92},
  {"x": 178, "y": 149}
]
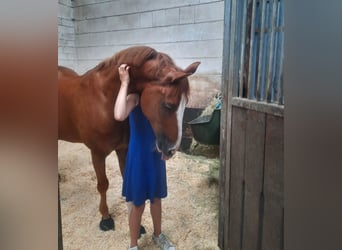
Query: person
[{"x": 145, "y": 173}]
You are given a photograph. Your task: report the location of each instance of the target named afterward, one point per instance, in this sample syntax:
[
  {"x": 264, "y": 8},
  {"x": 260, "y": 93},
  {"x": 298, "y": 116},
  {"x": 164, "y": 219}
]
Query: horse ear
[
  {"x": 192, "y": 68},
  {"x": 175, "y": 75}
]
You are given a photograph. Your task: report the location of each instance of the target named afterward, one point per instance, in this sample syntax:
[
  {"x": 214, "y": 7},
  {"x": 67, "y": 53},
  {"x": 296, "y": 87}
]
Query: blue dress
[{"x": 145, "y": 173}]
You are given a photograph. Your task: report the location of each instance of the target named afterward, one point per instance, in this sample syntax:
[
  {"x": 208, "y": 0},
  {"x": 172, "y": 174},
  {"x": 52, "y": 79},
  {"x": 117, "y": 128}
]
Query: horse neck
[
  {"x": 104, "y": 80},
  {"x": 109, "y": 81}
]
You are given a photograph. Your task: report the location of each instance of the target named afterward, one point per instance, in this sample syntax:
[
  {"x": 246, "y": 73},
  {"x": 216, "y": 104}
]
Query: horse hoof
[
  {"x": 107, "y": 224},
  {"x": 141, "y": 231}
]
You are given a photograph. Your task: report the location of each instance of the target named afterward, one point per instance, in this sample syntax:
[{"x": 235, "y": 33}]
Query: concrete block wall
[
  {"x": 66, "y": 35},
  {"x": 187, "y": 30}
]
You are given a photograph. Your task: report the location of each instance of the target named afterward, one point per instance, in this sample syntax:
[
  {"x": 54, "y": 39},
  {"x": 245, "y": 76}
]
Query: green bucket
[{"x": 206, "y": 129}]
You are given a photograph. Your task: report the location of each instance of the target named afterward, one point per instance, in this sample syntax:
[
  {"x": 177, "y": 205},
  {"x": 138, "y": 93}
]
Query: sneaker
[
  {"x": 133, "y": 248},
  {"x": 163, "y": 242}
]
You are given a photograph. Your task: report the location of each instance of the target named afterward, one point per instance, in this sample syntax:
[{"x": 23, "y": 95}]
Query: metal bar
[
  {"x": 261, "y": 50},
  {"x": 277, "y": 51},
  {"x": 280, "y": 54},
  {"x": 251, "y": 51},
  {"x": 270, "y": 55},
  {"x": 281, "y": 99},
  {"x": 281, "y": 79},
  {"x": 232, "y": 49},
  {"x": 243, "y": 44}
]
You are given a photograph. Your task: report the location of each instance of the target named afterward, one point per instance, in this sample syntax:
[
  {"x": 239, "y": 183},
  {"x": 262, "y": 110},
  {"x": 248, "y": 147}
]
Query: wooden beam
[{"x": 269, "y": 108}]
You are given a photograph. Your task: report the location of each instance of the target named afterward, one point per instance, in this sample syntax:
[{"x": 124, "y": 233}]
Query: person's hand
[{"x": 124, "y": 74}]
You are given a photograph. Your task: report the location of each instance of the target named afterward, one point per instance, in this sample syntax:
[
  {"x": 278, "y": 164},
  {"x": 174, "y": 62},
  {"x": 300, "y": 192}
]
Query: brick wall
[{"x": 187, "y": 30}]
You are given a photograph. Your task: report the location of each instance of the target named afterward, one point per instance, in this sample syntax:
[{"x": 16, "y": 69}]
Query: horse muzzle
[{"x": 165, "y": 148}]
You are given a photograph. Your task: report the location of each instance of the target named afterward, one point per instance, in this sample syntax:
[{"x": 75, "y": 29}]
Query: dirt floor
[{"x": 190, "y": 212}]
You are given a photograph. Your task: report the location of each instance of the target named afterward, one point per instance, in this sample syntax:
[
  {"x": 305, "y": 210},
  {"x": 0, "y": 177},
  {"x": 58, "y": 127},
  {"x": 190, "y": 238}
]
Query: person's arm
[{"x": 124, "y": 103}]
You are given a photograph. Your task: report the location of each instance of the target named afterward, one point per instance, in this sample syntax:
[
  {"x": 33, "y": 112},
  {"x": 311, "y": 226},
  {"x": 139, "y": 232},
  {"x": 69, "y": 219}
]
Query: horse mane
[
  {"x": 133, "y": 56},
  {"x": 137, "y": 56}
]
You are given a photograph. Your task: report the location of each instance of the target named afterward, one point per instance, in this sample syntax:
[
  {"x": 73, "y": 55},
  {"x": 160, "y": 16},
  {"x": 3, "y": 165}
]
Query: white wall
[
  {"x": 66, "y": 35},
  {"x": 187, "y": 30}
]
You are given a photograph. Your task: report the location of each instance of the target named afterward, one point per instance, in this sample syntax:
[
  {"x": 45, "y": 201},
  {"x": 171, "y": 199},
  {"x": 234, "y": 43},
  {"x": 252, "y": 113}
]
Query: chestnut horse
[{"x": 86, "y": 105}]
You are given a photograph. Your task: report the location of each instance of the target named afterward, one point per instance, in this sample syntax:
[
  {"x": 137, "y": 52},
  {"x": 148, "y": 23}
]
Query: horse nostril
[
  {"x": 165, "y": 147},
  {"x": 171, "y": 152}
]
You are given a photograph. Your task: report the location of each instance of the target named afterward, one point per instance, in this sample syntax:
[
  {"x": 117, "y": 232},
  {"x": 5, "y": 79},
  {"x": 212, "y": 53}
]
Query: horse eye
[{"x": 169, "y": 106}]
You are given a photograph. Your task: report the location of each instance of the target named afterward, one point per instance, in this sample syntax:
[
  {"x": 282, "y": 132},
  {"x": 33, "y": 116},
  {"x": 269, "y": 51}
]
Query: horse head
[
  {"x": 163, "y": 102},
  {"x": 164, "y": 92}
]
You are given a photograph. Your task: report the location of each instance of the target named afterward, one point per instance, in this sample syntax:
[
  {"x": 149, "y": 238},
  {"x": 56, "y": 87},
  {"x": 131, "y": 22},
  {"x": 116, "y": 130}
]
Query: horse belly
[
  {"x": 114, "y": 137},
  {"x": 67, "y": 128}
]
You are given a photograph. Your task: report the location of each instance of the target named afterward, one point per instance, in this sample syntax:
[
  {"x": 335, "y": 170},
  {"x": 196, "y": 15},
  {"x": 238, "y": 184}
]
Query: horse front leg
[{"x": 99, "y": 163}]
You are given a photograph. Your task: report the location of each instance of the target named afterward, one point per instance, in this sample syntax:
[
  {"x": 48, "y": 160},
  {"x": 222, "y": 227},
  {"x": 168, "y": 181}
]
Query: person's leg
[
  {"x": 135, "y": 215},
  {"x": 158, "y": 237},
  {"x": 156, "y": 212}
]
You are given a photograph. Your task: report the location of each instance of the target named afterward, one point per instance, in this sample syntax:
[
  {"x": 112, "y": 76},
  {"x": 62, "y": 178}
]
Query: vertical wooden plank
[
  {"x": 237, "y": 178},
  {"x": 254, "y": 164},
  {"x": 261, "y": 51},
  {"x": 225, "y": 132},
  {"x": 231, "y": 75},
  {"x": 273, "y": 184}
]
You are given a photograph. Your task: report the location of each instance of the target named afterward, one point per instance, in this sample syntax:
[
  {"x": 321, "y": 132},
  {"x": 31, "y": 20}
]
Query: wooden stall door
[
  {"x": 252, "y": 127},
  {"x": 256, "y": 181}
]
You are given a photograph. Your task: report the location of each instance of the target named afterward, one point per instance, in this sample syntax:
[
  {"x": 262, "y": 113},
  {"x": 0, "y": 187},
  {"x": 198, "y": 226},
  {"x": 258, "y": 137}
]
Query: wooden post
[{"x": 60, "y": 236}]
